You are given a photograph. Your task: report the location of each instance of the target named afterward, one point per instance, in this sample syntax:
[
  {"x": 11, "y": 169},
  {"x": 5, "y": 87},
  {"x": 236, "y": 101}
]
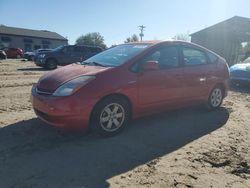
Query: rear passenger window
[
  {"x": 212, "y": 58},
  {"x": 193, "y": 57}
]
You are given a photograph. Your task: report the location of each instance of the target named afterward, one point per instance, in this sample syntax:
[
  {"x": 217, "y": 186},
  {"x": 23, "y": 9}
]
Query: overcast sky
[{"x": 118, "y": 19}]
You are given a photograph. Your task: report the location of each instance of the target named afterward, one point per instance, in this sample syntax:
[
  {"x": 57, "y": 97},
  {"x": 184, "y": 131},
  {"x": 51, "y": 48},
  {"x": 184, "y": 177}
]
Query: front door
[{"x": 158, "y": 87}]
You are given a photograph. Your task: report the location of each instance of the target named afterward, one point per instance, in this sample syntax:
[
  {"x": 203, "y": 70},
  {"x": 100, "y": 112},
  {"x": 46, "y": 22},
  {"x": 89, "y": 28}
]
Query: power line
[{"x": 141, "y": 28}]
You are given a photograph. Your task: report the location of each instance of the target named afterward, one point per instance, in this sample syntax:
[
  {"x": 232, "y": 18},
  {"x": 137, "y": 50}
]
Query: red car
[
  {"x": 14, "y": 52},
  {"x": 128, "y": 81}
]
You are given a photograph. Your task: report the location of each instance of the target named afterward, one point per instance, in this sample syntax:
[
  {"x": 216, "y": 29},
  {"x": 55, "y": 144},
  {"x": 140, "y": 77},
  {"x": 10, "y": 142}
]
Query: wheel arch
[
  {"x": 222, "y": 86},
  {"x": 119, "y": 95}
]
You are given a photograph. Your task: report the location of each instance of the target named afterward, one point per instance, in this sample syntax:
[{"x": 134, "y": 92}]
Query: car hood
[{"x": 53, "y": 79}]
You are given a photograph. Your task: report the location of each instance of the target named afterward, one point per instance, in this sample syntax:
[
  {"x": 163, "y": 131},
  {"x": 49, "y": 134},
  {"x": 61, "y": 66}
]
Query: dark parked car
[
  {"x": 240, "y": 72},
  {"x": 65, "y": 55},
  {"x": 13, "y": 52},
  {"x": 3, "y": 54},
  {"x": 31, "y": 56},
  {"x": 128, "y": 81}
]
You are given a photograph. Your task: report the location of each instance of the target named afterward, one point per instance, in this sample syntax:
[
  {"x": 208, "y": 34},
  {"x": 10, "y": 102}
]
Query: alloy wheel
[
  {"x": 216, "y": 97},
  {"x": 112, "y": 117}
]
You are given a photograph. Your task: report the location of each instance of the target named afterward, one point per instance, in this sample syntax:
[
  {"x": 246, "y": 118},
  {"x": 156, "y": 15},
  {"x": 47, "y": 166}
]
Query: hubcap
[
  {"x": 216, "y": 97},
  {"x": 112, "y": 117}
]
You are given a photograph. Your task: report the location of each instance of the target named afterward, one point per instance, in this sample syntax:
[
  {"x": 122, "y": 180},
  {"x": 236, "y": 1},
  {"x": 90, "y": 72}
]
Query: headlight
[
  {"x": 42, "y": 55},
  {"x": 71, "y": 86}
]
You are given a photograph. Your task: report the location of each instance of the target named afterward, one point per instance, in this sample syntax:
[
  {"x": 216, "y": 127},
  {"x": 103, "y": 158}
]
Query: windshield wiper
[{"x": 93, "y": 63}]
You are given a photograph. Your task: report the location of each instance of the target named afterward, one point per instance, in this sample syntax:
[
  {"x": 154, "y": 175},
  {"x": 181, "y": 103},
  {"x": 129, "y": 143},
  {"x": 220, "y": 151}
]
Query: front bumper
[{"x": 61, "y": 112}]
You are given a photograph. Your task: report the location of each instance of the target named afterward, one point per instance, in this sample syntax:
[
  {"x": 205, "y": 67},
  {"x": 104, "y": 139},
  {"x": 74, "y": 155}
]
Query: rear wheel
[
  {"x": 18, "y": 56},
  {"x": 51, "y": 64},
  {"x": 215, "y": 98},
  {"x": 110, "y": 116}
]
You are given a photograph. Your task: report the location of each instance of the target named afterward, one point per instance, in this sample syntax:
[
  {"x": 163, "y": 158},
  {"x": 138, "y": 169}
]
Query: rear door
[
  {"x": 196, "y": 72},
  {"x": 67, "y": 55}
]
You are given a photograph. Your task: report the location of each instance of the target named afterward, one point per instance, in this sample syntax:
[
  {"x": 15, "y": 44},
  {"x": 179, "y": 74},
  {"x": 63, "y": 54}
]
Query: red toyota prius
[{"x": 128, "y": 81}]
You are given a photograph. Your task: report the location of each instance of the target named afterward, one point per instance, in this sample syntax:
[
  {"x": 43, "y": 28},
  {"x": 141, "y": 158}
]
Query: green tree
[
  {"x": 94, "y": 39},
  {"x": 133, "y": 38}
]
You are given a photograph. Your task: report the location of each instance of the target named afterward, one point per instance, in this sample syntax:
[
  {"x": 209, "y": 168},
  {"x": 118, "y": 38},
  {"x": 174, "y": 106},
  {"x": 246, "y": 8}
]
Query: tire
[
  {"x": 51, "y": 64},
  {"x": 32, "y": 58},
  {"x": 110, "y": 116},
  {"x": 2, "y": 56},
  {"x": 18, "y": 56},
  {"x": 215, "y": 98}
]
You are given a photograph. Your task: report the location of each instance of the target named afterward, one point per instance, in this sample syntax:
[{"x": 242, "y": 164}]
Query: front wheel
[
  {"x": 110, "y": 116},
  {"x": 215, "y": 98}
]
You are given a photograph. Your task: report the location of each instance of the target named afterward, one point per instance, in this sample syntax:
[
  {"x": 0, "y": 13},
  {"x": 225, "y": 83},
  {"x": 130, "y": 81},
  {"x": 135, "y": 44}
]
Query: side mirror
[{"x": 151, "y": 65}]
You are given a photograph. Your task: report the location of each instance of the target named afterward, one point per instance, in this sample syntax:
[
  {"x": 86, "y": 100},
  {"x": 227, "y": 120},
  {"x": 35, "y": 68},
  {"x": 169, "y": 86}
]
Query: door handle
[{"x": 202, "y": 79}]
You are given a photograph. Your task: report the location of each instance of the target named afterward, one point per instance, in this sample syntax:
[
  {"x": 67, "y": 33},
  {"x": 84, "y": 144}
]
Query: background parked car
[
  {"x": 32, "y": 55},
  {"x": 64, "y": 55},
  {"x": 3, "y": 54},
  {"x": 240, "y": 72},
  {"x": 13, "y": 52}
]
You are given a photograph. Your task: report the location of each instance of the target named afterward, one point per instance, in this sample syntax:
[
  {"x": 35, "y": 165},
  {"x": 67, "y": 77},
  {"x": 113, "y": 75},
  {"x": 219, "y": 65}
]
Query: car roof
[
  {"x": 83, "y": 45},
  {"x": 154, "y": 42}
]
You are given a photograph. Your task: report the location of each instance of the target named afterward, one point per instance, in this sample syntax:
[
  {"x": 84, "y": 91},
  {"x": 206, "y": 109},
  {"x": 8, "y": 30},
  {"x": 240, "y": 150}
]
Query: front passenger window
[{"x": 167, "y": 57}]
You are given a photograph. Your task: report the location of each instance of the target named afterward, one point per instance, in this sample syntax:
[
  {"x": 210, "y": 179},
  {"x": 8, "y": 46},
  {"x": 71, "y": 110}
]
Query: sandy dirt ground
[{"x": 186, "y": 148}]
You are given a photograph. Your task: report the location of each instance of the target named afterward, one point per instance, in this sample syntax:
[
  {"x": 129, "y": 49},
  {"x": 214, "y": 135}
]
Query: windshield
[
  {"x": 116, "y": 56},
  {"x": 247, "y": 60}
]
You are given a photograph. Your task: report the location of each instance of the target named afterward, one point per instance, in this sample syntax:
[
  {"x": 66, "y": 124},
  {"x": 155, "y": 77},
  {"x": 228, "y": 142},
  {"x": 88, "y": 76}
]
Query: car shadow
[
  {"x": 32, "y": 69},
  {"x": 33, "y": 154}
]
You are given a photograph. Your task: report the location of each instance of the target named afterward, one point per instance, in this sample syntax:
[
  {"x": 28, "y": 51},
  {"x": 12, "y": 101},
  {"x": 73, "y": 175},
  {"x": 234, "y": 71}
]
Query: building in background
[
  {"x": 28, "y": 39},
  {"x": 225, "y": 38}
]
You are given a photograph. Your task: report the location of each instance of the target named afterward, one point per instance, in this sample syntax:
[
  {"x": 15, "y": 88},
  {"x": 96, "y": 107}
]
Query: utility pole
[{"x": 141, "y": 27}]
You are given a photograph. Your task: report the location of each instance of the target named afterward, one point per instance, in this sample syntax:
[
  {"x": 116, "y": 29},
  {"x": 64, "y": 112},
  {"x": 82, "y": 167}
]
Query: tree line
[{"x": 96, "y": 39}]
